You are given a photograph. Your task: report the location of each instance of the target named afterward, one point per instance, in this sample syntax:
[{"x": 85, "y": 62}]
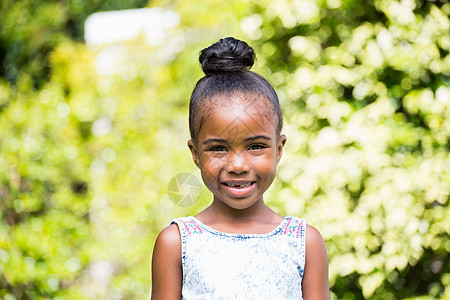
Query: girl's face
[{"x": 238, "y": 150}]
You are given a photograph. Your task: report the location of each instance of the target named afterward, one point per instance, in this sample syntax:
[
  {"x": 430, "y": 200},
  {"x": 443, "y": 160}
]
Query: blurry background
[{"x": 93, "y": 126}]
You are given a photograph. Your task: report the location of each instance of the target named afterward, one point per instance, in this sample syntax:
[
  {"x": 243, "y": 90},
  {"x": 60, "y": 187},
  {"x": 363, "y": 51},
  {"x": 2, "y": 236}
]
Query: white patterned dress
[{"x": 219, "y": 265}]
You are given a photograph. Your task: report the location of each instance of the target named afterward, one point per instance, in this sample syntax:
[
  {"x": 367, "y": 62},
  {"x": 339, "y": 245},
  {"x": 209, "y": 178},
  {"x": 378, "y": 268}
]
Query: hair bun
[{"x": 228, "y": 55}]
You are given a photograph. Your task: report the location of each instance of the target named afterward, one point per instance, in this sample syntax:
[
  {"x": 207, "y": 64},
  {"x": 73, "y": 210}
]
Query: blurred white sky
[
  {"x": 111, "y": 30},
  {"x": 123, "y": 25}
]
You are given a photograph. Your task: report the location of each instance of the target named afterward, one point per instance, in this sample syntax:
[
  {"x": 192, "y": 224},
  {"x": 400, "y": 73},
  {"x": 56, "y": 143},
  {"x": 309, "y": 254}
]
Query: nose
[{"x": 237, "y": 163}]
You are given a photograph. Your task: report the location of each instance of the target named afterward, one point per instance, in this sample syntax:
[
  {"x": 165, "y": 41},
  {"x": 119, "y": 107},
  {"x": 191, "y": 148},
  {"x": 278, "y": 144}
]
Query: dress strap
[
  {"x": 187, "y": 226},
  {"x": 295, "y": 227}
]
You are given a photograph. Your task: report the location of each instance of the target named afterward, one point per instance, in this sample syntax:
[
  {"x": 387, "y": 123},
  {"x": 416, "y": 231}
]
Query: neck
[
  {"x": 258, "y": 218},
  {"x": 221, "y": 211}
]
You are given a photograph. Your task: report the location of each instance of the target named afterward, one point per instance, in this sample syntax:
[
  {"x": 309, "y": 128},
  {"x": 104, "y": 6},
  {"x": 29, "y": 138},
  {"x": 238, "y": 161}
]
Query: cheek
[
  {"x": 211, "y": 166},
  {"x": 266, "y": 164}
]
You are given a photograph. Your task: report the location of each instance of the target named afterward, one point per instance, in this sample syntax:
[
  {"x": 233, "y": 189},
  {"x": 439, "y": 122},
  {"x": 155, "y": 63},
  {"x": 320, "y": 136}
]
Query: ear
[
  {"x": 281, "y": 142},
  {"x": 194, "y": 152}
]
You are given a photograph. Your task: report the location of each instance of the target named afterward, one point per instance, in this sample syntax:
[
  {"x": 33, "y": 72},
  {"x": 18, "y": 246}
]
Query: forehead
[{"x": 234, "y": 117}]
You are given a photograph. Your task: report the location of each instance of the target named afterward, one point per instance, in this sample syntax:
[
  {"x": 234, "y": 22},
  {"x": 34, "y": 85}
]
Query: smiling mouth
[{"x": 238, "y": 186}]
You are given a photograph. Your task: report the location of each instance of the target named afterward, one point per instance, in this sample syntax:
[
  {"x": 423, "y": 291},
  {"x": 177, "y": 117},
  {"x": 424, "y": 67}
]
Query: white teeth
[{"x": 239, "y": 186}]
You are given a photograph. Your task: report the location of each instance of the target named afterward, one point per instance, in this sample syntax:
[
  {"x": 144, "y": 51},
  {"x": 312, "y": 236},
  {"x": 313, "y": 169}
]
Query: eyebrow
[
  {"x": 252, "y": 138},
  {"x": 257, "y": 137},
  {"x": 214, "y": 140}
]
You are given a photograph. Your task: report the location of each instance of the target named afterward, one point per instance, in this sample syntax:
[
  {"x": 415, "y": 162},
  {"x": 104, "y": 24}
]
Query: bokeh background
[{"x": 92, "y": 131}]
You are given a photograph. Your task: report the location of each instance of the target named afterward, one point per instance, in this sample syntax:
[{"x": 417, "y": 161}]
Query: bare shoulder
[
  {"x": 169, "y": 236},
  {"x": 315, "y": 281},
  {"x": 168, "y": 245},
  {"x": 316, "y": 250},
  {"x": 166, "y": 264},
  {"x": 313, "y": 237}
]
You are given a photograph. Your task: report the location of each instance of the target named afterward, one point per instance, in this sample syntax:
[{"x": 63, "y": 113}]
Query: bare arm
[
  {"x": 315, "y": 280},
  {"x": 166, "y": 265}
]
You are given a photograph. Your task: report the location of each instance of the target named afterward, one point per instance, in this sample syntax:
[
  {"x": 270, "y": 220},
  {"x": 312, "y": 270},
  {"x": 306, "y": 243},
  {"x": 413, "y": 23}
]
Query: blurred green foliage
[
  {"x": 86, "y": 154},
  {"x": 31, "y": 30}
]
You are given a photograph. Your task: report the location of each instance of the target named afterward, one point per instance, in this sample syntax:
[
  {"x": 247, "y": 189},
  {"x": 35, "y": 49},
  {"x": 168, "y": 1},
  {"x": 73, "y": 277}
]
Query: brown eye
[
  {"x": 257, "y": 147},
  {"x": 217, "y": 149}
]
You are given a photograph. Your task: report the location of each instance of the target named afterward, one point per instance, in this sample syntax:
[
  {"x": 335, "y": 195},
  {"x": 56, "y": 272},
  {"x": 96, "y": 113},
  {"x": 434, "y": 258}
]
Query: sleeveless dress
[{"x": 218, "y": 265}]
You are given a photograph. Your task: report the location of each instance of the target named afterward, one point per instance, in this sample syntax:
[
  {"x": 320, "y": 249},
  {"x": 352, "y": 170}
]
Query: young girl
[{"x": 237, "y": 248}]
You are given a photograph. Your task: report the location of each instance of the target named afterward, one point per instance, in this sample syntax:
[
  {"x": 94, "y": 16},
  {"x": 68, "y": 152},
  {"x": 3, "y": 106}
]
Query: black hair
[{"x": 226, "y": 66}]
